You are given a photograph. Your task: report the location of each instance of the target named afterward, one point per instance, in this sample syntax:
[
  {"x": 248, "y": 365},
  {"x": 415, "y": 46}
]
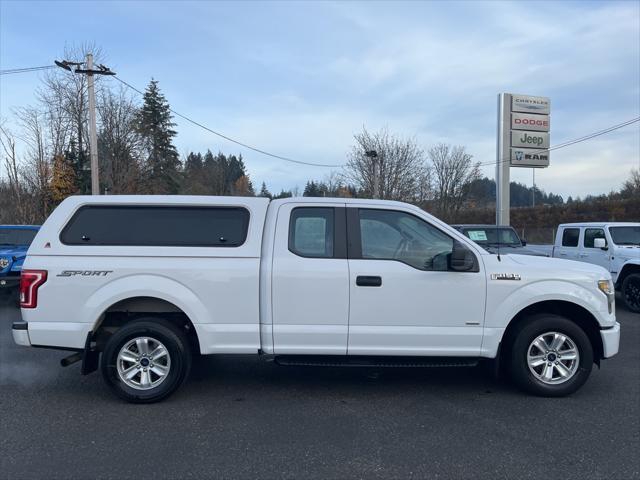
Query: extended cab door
[
  {"x": 405, "y": 299},
  {"x": 310, "y": 280},
  {"x": 589, "y": 253}
]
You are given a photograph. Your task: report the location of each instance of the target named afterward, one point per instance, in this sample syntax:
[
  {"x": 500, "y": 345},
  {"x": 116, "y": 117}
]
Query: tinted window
[
  {"x": 157, "y": 226},
  {"x": 625, "y": 235},
  {"x": 590, "y": 234},
  {"x": 16, "y": 236},
  {"x": 311, "y": 232},
  {"x": 570, "y": 237},
  {"x": 390, "y": 235}
]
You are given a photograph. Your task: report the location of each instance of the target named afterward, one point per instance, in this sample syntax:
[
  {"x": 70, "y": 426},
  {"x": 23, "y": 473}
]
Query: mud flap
[{"x": 90, "y": 356}]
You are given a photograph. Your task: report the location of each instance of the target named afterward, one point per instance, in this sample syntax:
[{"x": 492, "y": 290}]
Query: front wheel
[
  {"x": 551, "y": 356},
  {"x": 631, "y": 292},
  {"x": 146, "y": 360}
]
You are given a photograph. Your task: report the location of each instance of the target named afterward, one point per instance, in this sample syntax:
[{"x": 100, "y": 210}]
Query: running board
[{"x": 373, "y": 361}]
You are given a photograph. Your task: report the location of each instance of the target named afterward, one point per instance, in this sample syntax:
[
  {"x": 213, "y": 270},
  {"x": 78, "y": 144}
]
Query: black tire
[
  {"x": 631, "y": 292},
  {"x": 538, "y": 325},
  {"x": 157, "y": 329}
]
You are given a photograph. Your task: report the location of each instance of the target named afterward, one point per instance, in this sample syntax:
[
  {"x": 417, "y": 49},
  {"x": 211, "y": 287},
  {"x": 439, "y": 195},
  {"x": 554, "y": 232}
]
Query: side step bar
[{"x": 373, "y": 361}]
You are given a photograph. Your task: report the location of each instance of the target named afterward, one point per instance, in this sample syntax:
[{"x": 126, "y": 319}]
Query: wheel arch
[
  {"x": 627, "y": 269},
  {"x": 139, "y": 296},
  {"x": 572, "y": 311}
]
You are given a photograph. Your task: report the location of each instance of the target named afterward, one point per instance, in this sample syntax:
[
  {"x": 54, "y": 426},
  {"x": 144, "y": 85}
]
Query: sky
[{"x": 299, "y": 79}]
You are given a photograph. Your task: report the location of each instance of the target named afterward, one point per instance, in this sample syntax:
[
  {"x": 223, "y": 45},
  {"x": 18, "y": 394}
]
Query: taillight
[{"x": 30, "y": 280}]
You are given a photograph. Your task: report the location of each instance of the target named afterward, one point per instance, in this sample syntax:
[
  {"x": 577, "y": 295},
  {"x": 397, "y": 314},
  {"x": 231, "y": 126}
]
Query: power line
[
  {"x": 237, "y": 142},
  {"x": 25, "y": 70},
  {"x": 571, "y": 142}
]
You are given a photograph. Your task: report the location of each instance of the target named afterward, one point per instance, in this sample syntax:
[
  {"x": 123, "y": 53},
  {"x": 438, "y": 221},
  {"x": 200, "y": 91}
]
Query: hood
[
  {"x": 562, "y": 265},
  {"x": 514, "y": 251},
  {"x": 13, "y": 250}
]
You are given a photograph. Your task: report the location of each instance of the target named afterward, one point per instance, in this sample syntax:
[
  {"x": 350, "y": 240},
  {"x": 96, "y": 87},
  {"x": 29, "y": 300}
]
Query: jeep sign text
[{"x": 537, "y": 140}]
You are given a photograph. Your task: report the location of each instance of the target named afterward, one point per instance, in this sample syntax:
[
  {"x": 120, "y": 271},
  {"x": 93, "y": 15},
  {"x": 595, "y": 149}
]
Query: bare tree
[
  {"x": 13, "y": 204},
  {"x": 118, "y": 142},
  {"x": 631, "y": 187},
  {"x": 36, "y": 169},
  {"x": 453, "y": 172},
  {"x": 400, "y": 162}
]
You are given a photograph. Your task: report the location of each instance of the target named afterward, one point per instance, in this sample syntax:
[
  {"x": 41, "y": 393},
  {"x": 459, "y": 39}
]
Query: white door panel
[
  {"x": 588, "y": 253},
  {"x": 415, "y": 312},
  {"x": 310, "y": 296}
]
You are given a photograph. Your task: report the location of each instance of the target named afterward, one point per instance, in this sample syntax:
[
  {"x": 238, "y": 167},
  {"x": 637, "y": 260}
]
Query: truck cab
[{"x": 614, "y": 246}]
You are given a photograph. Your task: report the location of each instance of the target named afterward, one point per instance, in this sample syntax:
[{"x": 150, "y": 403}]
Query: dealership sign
[
  {"x": 524, "y": 139},
  {"x": 529, "y": 158},
  {"x": 528, "y": 104},
  {"x": 527, "y": 121}
]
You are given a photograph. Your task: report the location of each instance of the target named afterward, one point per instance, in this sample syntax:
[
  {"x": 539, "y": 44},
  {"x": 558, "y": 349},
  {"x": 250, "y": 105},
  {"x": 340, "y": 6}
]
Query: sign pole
[{"x": 503, "y": 163}]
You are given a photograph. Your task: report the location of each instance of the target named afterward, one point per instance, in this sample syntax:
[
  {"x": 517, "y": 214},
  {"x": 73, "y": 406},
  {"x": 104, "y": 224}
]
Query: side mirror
[
  {"x": 600, "y": 243},
  {"x": 524, "y": 242},
  {"x": 462, "y": 259}
]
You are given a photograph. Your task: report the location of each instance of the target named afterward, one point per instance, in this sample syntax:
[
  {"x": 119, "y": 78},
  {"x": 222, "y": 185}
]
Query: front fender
[{"x": 506, "y": 308}]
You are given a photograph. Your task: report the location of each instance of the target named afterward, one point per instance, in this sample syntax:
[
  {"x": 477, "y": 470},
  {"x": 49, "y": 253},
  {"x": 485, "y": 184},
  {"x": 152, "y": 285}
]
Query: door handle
[
  {"x": 584, "y": 255},
  {"x": 368, "y": 281},
  {"x": 563, "y": 254}
]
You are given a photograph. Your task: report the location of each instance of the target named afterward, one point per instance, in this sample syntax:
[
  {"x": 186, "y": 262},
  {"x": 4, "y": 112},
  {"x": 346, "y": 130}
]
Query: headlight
[{"x": 605, "y": 286}]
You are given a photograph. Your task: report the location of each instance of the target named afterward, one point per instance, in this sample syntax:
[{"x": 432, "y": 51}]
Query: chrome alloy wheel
[
  {"x": 553, "y": 358},
  {"x": 143, "y": 363}
]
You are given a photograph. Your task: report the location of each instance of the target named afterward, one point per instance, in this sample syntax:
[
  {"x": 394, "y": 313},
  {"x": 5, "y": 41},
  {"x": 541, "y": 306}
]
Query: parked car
[
  {"x": 498, "y": 239},
  {"x": 14, "y": 242},
  {"x": 614, "y": 246},
  {"x": 136, "y": 284}
]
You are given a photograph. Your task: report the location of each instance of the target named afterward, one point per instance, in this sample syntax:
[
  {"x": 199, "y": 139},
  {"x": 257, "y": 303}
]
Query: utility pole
[
  {"x": 534, "y": 187},
  {"x": 373, "y": 155},
  {"x": 93, "y": 134}
]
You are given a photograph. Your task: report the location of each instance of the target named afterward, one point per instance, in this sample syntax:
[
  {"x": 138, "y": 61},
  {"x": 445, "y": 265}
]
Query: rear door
[
  {"x": 569, "y": 247},
  {"x": 310, "y": 283},
  {"x": 589, "y": 253}
]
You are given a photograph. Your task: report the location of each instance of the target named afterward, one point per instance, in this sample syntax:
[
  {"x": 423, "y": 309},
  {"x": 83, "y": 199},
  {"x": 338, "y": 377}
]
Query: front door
[
  {"x": 589, "y": 252},
  {"x": 310, "y": 290},
  {"x": 405, "y": 299}
]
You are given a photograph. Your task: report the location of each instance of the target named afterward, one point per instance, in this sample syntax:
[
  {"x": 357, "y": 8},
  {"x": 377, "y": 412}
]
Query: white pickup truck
[
  {"x": 135, "y": 285},
  {"x": 614, "y": 246}
]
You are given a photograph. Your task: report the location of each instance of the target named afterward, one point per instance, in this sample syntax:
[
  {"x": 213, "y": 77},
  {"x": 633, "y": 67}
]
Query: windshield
[
  {"x": 625, "y": 235},
  {"x": 16, "y": 236},
  {"x": 493, "y": 236}
]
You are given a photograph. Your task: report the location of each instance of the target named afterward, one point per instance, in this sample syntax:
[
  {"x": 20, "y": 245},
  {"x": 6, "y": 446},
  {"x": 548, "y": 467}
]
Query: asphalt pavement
[{"x": 238, "y": 417}]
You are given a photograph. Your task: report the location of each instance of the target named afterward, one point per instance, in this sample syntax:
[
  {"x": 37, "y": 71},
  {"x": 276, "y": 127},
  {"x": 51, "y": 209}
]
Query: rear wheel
[
  {"x": 631, "y": 292},
  {"x": 551, "y": 356},
  {"x": 146, "y": 360}
]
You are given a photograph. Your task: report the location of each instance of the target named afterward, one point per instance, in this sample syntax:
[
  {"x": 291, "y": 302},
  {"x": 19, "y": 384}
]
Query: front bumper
[
  {"x": 610, "y": 341},
  {"x": 21, "y": 334}
]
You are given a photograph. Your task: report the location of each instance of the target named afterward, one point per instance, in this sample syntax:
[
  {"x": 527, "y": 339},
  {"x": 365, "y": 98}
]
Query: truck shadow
[{"x": 247, "y": 373}]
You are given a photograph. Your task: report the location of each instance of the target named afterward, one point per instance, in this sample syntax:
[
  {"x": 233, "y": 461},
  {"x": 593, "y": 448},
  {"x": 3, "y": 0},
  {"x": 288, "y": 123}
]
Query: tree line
[{"x": 47, "y": 159}]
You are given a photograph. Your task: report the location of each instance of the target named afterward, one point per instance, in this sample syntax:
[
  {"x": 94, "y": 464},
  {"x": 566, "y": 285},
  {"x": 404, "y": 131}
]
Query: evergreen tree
[
  {"x": 155, "y": 126},
  {"x": 264, "y": 192}
]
